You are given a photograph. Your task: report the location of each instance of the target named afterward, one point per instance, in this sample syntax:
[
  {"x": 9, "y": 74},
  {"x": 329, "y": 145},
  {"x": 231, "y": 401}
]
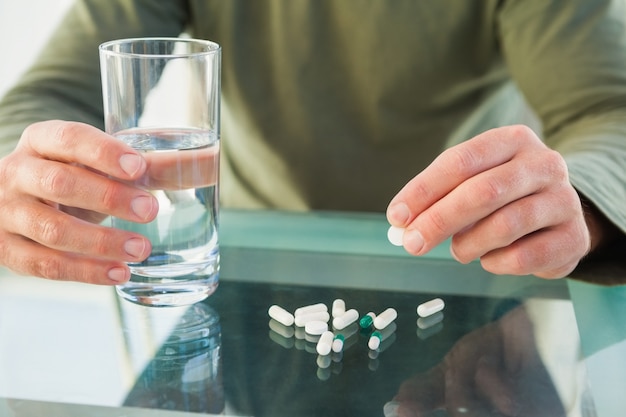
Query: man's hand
[
  {"x": 61, "y": 180},
  {"x": 503, "y": 197}
]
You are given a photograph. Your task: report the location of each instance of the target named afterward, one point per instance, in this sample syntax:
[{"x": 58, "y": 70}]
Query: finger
[
  {"x": 511, "y": 222},
  {"x": 454, "y": 166},
  {"x": 420, "y": 395},
  {"x": 495, "y": 388},
  {"x": 461, "y": 398},
  {"x": 80, "y": 143},
  {"x": 29, "y": 258},
  {"x": 57, "y": 230},
  {"x": 77, "y": 187},
  {"x": 548, "y": 253},
  {"x": 477, "y": 198}
]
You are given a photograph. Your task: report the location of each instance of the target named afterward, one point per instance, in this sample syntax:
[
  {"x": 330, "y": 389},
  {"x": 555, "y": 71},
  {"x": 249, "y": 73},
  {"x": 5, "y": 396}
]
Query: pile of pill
[
  {"x": 315, "y": 320},
  {"x": 332, "y": 332}
]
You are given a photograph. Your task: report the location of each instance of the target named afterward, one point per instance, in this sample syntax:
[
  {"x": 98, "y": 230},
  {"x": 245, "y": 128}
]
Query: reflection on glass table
[{"x": 503, "y": 346}]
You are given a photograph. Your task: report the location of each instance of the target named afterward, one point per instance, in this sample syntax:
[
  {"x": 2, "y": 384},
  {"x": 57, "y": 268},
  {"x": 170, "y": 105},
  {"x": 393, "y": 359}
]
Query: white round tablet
[{"x": 395, "y": 235}]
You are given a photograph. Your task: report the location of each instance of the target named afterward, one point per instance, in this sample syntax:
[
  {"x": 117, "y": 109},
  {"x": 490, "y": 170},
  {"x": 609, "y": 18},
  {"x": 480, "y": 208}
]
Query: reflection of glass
[{"x": 176, "y": 354}]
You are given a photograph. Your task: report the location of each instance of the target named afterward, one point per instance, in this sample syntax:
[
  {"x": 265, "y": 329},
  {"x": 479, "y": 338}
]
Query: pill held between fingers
[
  {"x": 315, "y": 328},
  {"x": 345, "y": 319},
  {"x": 395, "y": 235},
  {"x": 281, "y": 315},
  {"x": 324, "y": 345},
  {"x": 430, "y": 307},
  {"x": 313, "y": 308},
  {"x": 383, "y": 319}
]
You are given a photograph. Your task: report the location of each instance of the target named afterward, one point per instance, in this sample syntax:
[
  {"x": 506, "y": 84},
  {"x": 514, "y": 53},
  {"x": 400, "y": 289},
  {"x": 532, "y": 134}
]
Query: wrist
[{"x": 601, "y": 230}]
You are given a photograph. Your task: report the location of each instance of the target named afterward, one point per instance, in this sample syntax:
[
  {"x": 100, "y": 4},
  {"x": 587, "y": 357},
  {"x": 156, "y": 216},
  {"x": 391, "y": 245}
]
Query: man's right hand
[{"x": 61, "y": 180}]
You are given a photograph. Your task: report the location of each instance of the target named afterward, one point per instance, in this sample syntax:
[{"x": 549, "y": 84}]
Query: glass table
[{"x": 503, "y": 345}]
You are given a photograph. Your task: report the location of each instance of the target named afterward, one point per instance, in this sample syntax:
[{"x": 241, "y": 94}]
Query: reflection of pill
[
  {"x": 302, "y": 319},
  {"x": 426, "y": 322},
  {"x": 313, "y": 308},
  {"x": 325, "y": 344},
  {"x": 315, "y": 327},
  {"x": 339, "y": 307},
  {"x": 430, "y": 307},
  {"x": 281, "y": 329},
  {"x": 383, "y": 319},
  {"x": 281, "y": 315},
  {"x": 395, "y": 235},
  {"x": 345, "y": 319}
]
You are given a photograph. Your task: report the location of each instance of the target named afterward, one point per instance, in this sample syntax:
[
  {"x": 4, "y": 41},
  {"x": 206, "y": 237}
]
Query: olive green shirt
[{"x": 332, "y": 104}]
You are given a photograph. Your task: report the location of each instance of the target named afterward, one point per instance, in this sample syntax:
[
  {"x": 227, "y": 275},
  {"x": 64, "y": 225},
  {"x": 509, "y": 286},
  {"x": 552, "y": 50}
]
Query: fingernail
[
  {"x": 118, "y": 274},
  {"x": 142, "y": 206},
  {"x": 390, "y": 409},
  {"x": 131, "y": 163},
  {"x": 454, "y": 254},
  {"x": 413, "y": 241},
  {"x": 399, "y": 214},
  {"x": 135, "y": 247}
]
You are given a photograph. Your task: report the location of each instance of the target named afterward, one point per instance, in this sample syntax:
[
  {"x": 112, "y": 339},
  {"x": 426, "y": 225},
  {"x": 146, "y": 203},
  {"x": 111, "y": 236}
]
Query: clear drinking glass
[{"x": 162, "y": 97}]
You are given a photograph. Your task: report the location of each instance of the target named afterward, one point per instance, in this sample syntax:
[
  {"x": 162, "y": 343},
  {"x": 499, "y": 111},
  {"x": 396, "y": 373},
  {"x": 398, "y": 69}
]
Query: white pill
[
  {"x": 302, "y": 319},
  {"x": 430, "y": 307},
  {"x": 345, "y": 319},
  {"x": 281, "y": 315},
  {"x": 395, "y": 235},
  {"x": 325, "y": 344},
  {"x": 374, "y": 341},
  {"x": 385, "y": 318},
  {"x": 315, "y": 328},
  {"x": 339, "y": 307},
  {"x": 313, "y": 308}
]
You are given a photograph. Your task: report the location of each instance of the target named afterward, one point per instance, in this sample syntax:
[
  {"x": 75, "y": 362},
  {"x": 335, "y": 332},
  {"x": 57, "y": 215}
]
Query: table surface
[{"x": 517, "y": 345}]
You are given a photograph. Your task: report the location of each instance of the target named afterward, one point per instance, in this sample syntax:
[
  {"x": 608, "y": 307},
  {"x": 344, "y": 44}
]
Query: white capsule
[
  {"x": 385, "y": 318},
  {"x": 281, "y": 315},
  {"x": 313, "y": 308},
  {"x": 345, "y": 319},
  {"x": 395, "y": 235},
  {"x": 430, "y": 307},
  {"x": 339, "y": 307},
  {"x": 315, "y": 328},
  {"x": 302, "y": 319},
  {"x": 374, "y": 341},
  {"x": 325, "y": 344}
]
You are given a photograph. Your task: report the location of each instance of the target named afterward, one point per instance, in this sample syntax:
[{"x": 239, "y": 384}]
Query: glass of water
[{"x": 162, "y": 97}]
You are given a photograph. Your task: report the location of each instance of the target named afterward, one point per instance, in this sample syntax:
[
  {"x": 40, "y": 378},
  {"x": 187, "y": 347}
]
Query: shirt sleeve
[
  {"x": 568, "y": 58},
  {"x": 64, "y": 82}
]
